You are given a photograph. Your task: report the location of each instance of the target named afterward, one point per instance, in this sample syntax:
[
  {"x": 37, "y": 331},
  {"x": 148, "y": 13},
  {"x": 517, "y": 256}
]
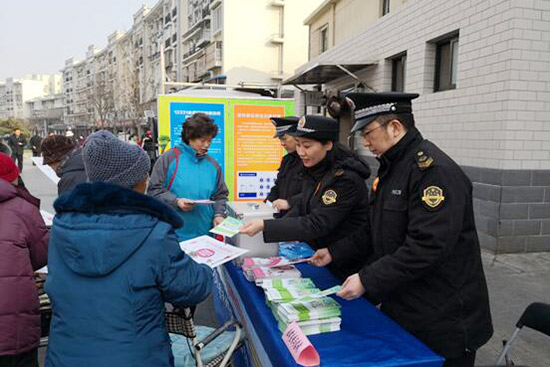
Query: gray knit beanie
[{"x": 108, "y": 159}]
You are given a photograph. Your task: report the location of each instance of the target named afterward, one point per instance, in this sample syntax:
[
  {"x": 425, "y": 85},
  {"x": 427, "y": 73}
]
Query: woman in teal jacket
[
  {"x": 186, "y": 173},
  {"x": 114, "y": 261}
]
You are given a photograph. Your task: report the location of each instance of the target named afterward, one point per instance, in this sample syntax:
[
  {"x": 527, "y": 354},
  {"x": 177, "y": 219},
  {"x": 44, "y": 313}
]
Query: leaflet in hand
[
  {"x": 297, "y": 293},
  {"x": 202, "y": 201},
  {"x": 229, "y": 227},
  {"x": 47, "y": 170},
  {"x": 209, "y": 251}
]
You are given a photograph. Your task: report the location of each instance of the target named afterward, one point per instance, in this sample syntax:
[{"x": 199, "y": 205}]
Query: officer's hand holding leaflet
[
  {"x": 322, "y": 257},
  {"x": 253, "y": 227},
  {"x": 352, "y": 288},
  {"x": 281, "y": 204}
]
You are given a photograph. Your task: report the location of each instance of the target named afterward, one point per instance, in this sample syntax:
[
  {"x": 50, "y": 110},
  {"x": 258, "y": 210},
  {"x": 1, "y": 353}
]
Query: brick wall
[{"x": 496, "y": 123}]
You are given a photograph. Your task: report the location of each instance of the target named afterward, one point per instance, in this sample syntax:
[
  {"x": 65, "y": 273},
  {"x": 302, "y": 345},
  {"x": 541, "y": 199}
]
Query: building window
[
  {"x": 323, "y": 39},
  {"x": 398, "y": 73},
  {"x": 217, "y": 19},
  {"x": 385, "y": 7},
  {"x": 446, "y": 62}
]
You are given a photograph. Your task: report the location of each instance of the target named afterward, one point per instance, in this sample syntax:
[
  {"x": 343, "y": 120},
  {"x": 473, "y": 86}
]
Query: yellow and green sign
[{"x": 244, "y": 147}]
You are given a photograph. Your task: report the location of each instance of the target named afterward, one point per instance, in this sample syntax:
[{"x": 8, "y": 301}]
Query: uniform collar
[{"x": 396, "y": 152}]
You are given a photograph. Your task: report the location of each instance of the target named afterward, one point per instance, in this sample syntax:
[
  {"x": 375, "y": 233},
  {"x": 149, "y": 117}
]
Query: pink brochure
[{"x": 300, "y": 347}]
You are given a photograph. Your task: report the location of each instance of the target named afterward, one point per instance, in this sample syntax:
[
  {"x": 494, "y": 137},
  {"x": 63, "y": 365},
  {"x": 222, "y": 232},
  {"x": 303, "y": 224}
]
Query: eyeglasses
[{"x": 366, "y": 133}]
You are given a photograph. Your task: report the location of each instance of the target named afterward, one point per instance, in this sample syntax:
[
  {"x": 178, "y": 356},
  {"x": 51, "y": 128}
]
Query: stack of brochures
[
  {"x": 255, "y": 273},
  {"x": 299, "y": 300}
]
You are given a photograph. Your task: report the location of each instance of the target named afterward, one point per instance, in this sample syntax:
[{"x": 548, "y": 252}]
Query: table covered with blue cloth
[{"x": 367, "y": 337}]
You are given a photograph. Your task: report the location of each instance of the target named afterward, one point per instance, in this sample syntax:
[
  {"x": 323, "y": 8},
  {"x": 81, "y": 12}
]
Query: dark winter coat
[
  {"x": 333, "y": 204},
  {"x": 36, "y": 142},
  {"x": 427, "y": 271},
  {"x": 23, "y": 249},
  {"x": 289, "y": 180},
  {"x": 114, "y": 261},
  {"x": 17, "y": 144},
  {"x": 71, "y": 172}
]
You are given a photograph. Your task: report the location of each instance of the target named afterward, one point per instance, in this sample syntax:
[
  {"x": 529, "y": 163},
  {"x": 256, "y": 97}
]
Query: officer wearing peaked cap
[
  {"x": 285, "y": 193},
  {"x": 426, "y": 269},
  {"x": 334, "y": 196}
]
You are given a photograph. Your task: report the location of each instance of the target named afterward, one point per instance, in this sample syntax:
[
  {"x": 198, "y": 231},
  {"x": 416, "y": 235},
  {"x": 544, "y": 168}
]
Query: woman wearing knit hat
[
  {"x": 63, "y": 155},
  {"x": 114, "y": 261},
  {"x": 23, "y": 249}
]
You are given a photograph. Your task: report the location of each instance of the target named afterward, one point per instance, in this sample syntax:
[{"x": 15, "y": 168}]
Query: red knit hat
[{"x": 8, "y": 169}]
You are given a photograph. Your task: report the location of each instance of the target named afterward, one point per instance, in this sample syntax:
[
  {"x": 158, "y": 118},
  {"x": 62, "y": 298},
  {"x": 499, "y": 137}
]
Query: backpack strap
[{"x": 177, "y": 154}]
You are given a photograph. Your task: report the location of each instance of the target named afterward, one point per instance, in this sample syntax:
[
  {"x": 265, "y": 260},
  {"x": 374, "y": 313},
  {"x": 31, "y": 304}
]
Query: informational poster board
[
  {"x": 180, "y": 111},
  {"x": 244, "y": 147}
]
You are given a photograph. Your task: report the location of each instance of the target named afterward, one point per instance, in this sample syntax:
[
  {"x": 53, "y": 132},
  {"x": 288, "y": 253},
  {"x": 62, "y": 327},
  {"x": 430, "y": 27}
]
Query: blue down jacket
[{"x": 114, "y": 261}]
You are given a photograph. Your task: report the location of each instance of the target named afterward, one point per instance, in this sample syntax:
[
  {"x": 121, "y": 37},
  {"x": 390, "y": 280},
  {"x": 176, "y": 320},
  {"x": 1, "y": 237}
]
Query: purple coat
[{"x": 23, "y": 249}]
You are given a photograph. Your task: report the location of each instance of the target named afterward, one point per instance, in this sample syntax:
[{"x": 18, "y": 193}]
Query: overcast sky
[{"x": 37, "y": 36}]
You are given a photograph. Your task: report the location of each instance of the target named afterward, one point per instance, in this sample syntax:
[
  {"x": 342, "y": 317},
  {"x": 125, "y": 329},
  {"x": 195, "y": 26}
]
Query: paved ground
[{"x": 514, "y": 282}]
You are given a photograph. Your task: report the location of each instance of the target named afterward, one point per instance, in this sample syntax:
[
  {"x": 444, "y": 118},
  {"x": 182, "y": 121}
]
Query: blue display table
[{"x": 368, "y": 338}]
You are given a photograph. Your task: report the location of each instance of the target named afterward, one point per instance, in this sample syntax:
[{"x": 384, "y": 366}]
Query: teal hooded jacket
[
  {"x": 114, "y": 260},
  {"x": 193, "y": 177}
]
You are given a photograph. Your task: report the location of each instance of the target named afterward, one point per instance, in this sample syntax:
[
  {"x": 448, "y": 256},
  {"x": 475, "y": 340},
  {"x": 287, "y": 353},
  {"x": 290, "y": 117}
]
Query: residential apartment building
[
  {"x": 482, "y": 69},
  {"x": 15, "y": 92},
  {"x": 178, "y": 41},
  {"x": 46, "y": 113},
  {"x": 244, "y": 41}
]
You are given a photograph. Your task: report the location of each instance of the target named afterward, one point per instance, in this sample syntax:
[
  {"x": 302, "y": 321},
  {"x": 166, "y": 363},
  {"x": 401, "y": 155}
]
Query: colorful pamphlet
[
  {"x": 300, "y": 347},
  {"x": 202, "y": 201},
  {"x": 285, "y": 283},
  {"x": 255, "y": 273},
  {"x": 209, "y": 251},
  {"x": 229, "y": 227},
  {"x": 322, "y": 308},
  {"x": 295, "y": 250}
]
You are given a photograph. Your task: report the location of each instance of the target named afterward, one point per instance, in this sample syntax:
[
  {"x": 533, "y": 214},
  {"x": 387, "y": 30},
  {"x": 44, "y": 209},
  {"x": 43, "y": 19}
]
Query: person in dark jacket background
[
  {"x": 64, "y": 156},
  {"x": 17, "y": 144},
  {"x": 284, "y": 194},
  {"x": 36, "y": 141},
  {"x": 426, "y": 270},
  {"x": 334, "y": 198},
  {"x": 23, "y": 249},
  {"x": 114, "y": 261}
]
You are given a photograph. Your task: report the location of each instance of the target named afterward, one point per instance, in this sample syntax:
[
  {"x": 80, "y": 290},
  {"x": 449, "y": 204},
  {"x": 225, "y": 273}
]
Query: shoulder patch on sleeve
[
  {"x": 423, "y": 160},
  {"x": 329, "y": 197},
  {"x": 433, "y": 197}
]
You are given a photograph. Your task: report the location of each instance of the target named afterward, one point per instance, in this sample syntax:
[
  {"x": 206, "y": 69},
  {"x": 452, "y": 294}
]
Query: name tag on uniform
[{"x": 396, "y": 192}]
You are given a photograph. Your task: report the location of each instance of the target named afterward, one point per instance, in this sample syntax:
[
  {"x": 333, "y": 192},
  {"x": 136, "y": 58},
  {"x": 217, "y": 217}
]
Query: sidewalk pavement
[{"x": 514, "y": 281}]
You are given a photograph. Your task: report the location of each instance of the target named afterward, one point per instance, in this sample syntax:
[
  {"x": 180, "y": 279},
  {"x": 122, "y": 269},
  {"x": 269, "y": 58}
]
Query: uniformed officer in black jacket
[
  {"x": 334, "y": 198},
  {"x": 426, "y": 270},
  {"x": 289, "y": 178}
]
